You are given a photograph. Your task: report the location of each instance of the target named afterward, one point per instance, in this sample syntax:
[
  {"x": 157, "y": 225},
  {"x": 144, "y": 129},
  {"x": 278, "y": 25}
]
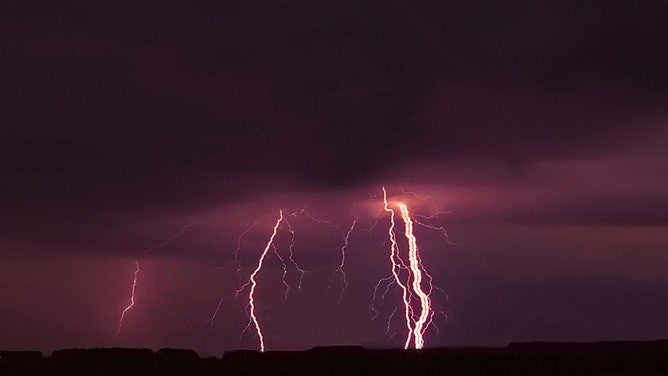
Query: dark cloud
[{"x": 134, "y": 114}]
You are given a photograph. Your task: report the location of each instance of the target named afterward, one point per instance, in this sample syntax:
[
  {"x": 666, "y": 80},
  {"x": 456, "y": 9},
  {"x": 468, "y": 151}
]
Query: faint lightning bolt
[
  {"x": 253, "y": 282},
  {"x": 285, "y": 271},
  {"x": 425, "y": 198},
  {"x": 215, "y": 313},
  {"x": 389, "y": 321},
  {"x": 238, "y": 249},
  {"x": 132, "y": 300},
  {"x": 344, "y": 277},
  {"x": 389, "y": 281},
  {"x": 291, "y": 256},
  {"x": 344, "y": 235},
  {"x": 173, "y": 237},
  {"x": 134, "y": 282}
]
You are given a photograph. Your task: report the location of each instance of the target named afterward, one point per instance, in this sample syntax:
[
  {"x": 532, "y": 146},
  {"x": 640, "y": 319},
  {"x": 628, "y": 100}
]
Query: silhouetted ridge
[
  {"x": 178, "y": 354},
  {"x": 607, "y": 346},
  {"x": 102, "y": 354},
  {"x": 528, "y": 358},
  {"x": 20, "y": 356}
]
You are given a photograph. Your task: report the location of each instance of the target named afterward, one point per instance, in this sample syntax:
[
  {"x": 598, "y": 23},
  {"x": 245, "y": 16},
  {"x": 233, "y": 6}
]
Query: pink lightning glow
[
  {"x": 251, "y": 294},
  {"x": 132, "y": 300}
]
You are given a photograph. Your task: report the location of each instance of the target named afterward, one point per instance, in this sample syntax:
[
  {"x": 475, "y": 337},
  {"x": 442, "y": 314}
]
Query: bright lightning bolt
[
  {"x": 396, "y": 268},
  {"x": 416, "y": 268},
  {"x": 132, "y": 300},
  {"x": 283, "y": 218},
  {"x": 253, "y": 282},
  {"x": 417, "y": 321}
]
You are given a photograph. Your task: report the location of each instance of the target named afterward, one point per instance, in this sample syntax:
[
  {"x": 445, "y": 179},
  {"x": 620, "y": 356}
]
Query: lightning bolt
[
  {"x": 132, "y": 300},
  {"x": 372, "y": 307},
  {"x": 134, "y": 282},
  {"x": 215, "y": 313},
  {"x": 437, "y": 213},
  {"x": 397, "y": 265},
  {"x": 173, "y": 237},
  {"x": 344, "y": 277},
  {"x": 253, "y": 282},
  {"x": 238, "y": 249},
  {"x": 389, "y": 321},
  {"x": 291, "y": 256},
  {"x": 416, "y": 269},
  {"x": 417, "y": 319},
  {"x": 285, "y": 271}
]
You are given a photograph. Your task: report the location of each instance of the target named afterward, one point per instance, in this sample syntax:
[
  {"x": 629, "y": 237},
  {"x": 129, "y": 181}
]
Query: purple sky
[{"x": 541, "y": 129}]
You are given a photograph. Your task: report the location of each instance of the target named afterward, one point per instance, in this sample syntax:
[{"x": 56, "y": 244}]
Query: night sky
[{"x": 160, "y": 131}]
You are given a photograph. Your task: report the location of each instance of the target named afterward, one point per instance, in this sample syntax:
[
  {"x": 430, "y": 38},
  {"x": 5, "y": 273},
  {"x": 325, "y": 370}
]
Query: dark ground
[{"x": 603, "y": 358}]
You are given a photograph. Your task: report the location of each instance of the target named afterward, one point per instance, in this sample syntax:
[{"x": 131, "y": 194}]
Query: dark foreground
[{"x": 605, "y": 358}]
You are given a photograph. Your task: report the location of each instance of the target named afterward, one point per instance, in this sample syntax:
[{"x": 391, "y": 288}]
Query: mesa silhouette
[{"x": 531, "y": 358}]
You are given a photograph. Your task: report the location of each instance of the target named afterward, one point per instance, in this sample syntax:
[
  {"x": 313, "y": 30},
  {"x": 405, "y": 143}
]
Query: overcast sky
[{"x": 160, "y": 132}]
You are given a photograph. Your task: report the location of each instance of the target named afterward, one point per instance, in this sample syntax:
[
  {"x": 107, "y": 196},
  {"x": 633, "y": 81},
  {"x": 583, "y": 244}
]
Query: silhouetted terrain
[{"x": 539, "y": 358}]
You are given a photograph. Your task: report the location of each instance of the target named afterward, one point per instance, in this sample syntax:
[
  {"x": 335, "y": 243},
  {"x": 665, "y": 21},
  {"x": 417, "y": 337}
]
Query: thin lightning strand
[
  {"x": 416, "y": 269},
  {"x": 394, "y": 248},
  {"x": 132, "y": 300},
  {"x": 173, "y": 237},
  {"x": 389, "y": 321},
  {"x": 440, "y": 229},
  {"x": 285, "y": 271},
  {"x": 373, "y": 226},
  {"x": 251, "y": 297},
  {"x": 344, "y": 277},
  {"x": 134, "y": 282},
  {"x": 239, "y": 269},
  {"x": 438, "y": 212},
  {"x": 291, "y": 256},
  {"x": 425, "y": 198},
  {"x": 345, "y": 235},
  {"x": 215, "y": 313},
  {"x": 372, "y": 307},
  {"x": 236, "y": 255}
]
